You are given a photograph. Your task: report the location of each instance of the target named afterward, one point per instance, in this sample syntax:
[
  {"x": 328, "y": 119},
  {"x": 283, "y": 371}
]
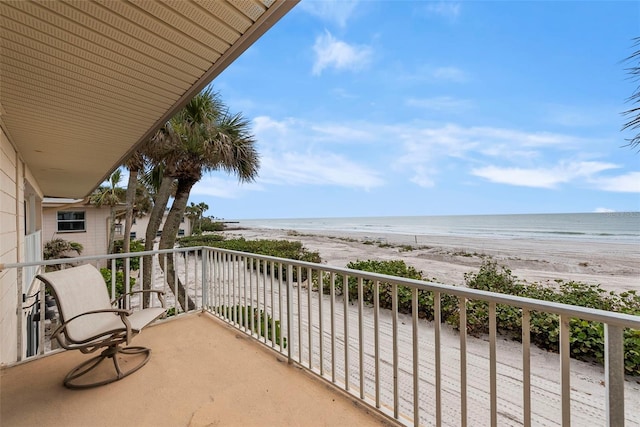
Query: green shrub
[
  {"x": 207, "y": 224},
  {"x": 134, "y": 246},
  {"x": 396, "y": 268},
  {"x": 240, "y": 311},
  {"x": 201, "y": 240},
  {"x": 120, "y": 288},
  {"x": 586, "y": 338},
  {"x": 60, "y": 248},
  {"x": 275, "y": 248}
]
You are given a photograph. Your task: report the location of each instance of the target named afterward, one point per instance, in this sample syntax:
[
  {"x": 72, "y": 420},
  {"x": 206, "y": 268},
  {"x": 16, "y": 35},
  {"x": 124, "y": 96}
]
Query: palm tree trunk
[
  {"x": 168, "y": 240},
  {"x": 132, "y": 186},
  {"x": 112, "y": 230},
  {"x": 155, "y": 219}
]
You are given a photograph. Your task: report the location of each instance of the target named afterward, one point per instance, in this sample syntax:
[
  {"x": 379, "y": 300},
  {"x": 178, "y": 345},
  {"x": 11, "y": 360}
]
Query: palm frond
[{"x": 633, "y": 122}]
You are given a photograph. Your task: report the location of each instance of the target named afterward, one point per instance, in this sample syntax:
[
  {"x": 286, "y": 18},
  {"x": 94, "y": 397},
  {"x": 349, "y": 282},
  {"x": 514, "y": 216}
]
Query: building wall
[
  {"x": 12, "y": 188},
  {"x": 93, "y": 239},
  {"x": 140, "y": 227}
]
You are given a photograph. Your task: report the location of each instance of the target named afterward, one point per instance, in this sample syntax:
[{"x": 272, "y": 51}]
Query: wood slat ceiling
[{"x": 83, "y": 82}]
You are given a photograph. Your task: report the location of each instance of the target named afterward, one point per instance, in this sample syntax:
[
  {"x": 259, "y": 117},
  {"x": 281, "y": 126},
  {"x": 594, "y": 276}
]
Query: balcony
[
  {"x": 202, "y": 372},
  {"x": 261, "y": 332}
]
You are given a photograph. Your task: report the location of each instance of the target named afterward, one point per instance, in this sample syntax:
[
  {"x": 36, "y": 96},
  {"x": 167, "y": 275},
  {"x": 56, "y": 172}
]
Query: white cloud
[
  {"x": 528, "y": 139},
  {"x": 333, "y": 53},
  {"x": 347, "y": 154},
  {"x": 628, "y": 183},
  {"x": 448, "y": 9},
  {"x": 423, "y": 178},
  {"x": 299, "y": 152},
  {"x": 262, "y": 124},
  {"x": 342, "y": 133},
  {"x": 452, "y": 74},
  {"x": 223, "y": 187},
  {"x": 343, "y": 93},
  {"x": 317, "y": 169},
  {"x": 427, "y": 73},
  {"x": 440, "y": 103},
  {"x": 542, "y": 177},
  {"x": 289, "y": 133},
  {"x": 335, "y": 11},
  {"x": 577, "y": 116},
  {"x": 603, "y": 210}
]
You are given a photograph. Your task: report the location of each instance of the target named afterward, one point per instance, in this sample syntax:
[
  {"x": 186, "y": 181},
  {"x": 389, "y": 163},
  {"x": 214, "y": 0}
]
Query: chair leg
[{"x": 109, "y": 353}]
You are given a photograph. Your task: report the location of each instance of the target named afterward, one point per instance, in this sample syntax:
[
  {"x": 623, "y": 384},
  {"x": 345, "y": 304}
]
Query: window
[
  {"x": 132, "y": 235},
  {"x": 70, "y": 221},
  {"x": 181, "y": 232}
]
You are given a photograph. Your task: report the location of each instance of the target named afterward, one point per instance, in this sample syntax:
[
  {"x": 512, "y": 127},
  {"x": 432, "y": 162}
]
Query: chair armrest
[
  {"x": 144, "y": 291},
  {"x": 123, "y": 316}
]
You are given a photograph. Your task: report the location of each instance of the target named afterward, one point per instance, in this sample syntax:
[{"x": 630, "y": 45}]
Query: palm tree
[
  {"x": 634, "y": 113},
  {"x": 135, "y": 163},
  {"x": 194, "y": 213},
  {"x": 202, "y": 208},
  {"x": 162, "y": 187},
  {"x": 110, "y": 195},
  {"x": 60, "y": 248},
  {"x": 202, "y": 137}
]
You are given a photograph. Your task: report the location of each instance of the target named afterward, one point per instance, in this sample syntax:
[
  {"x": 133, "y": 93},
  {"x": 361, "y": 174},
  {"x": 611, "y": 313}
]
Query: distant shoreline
[
  {"x": 583, "y": 227},
  {"x": 613, "y": 265}
]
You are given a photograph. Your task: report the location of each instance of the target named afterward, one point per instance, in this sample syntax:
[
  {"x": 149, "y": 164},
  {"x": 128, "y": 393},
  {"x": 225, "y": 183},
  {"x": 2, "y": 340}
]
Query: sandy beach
[{"x": 446, "y": 259}]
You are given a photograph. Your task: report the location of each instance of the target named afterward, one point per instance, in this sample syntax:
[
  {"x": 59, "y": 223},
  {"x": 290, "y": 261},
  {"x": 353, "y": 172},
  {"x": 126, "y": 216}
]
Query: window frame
[{"x": 73, "y": 220}]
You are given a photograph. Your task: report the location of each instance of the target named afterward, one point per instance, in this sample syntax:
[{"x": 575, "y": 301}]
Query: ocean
[{"x": 623, "y": 227}]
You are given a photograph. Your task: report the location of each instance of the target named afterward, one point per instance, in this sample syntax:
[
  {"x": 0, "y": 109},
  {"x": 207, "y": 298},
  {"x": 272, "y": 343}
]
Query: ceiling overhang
[{"x": 82, "y": 83}]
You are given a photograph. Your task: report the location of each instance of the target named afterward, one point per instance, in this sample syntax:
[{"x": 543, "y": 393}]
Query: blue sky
[{"x": 375, "y": 108}]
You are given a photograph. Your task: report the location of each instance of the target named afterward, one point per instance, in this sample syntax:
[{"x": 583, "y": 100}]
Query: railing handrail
[
  {"x": 597, "y": 315},
  {"x": 96, "y": 257},
  {"x": 592, "y": 314}
]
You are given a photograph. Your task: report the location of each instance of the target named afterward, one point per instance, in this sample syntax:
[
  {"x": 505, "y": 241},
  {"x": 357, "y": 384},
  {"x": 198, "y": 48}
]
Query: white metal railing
[
  {"x": 31, "y": 337},
  {"x": 32, "y": 253},
  {"x": 417, "y": 372},
  {"x": 411, "y": 370}
]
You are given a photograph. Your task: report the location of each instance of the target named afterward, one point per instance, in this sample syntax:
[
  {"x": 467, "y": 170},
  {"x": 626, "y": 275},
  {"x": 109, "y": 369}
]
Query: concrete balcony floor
[{"x": 202, "y": 372}]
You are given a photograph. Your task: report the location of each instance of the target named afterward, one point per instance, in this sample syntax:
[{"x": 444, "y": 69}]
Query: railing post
[
  {"x": 437, "y": 324},
  {"x": 289, "y": 314},
  {"x": 19, "y": 324},
  {"x": 204, "y": 281},
  {"x": 614, "y": 371},
  {"x": 526, "y": 367},
  {"x": 43, "y": 317},
  {"x": 462, "y": 301},
  {"x": 127, "y": 282},
  {"x": 565, "y": 370},
  {"x": 493, "y": 372},
  {"x": 416, "y": 357}
]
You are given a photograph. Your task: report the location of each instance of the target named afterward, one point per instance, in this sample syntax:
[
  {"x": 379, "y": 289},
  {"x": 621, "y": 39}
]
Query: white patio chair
[{"x": 90, "y": 322}]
